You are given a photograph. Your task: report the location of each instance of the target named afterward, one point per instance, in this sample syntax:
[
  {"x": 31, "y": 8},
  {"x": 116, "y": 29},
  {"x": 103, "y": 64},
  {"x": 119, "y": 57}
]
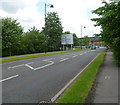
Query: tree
[
  {"x": 35, "y": 41},
  {"x": 86, "y": 40},
  {"x": 109, "y": 21},
  {"x": 11, "y": 34},
  {"x": 53, "y": 30},
  {"x": 76, "y": 40}
]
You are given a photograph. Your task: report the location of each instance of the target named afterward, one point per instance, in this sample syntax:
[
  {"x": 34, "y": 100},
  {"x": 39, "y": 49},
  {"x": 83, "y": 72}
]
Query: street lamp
[
  {"x": 81, "y": 34},
  {"x": 51, "y": 6}
]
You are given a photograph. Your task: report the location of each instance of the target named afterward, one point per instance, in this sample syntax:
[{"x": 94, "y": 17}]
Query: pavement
[
  {"x": 107, "y": 88},
  {"x": 17, "y": 56}
]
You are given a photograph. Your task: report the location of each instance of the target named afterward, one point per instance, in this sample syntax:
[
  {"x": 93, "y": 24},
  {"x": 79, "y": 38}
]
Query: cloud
[
  {"x": 24, "y": 11},
  {"x": 12, "y": 6},
  {"x": 73, "y": 13}
]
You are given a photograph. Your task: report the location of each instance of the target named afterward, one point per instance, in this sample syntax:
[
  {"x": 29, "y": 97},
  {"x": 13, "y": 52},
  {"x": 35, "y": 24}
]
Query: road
[{"x": 40, "y": 79}]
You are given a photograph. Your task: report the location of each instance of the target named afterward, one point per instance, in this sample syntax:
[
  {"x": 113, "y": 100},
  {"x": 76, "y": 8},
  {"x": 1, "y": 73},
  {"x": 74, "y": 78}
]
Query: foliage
[
  {"x": 86, "y": 41},
  {"x": 11, "y": 34},
  {"x": 109, "y": 20},
  {"x": 37, "y": 55},
  {"x": 35, "y": 41},
  {"x": 53, "y": 30},
  {"x": 17, "y": 42},
  {"x": 76, "y": 40}
]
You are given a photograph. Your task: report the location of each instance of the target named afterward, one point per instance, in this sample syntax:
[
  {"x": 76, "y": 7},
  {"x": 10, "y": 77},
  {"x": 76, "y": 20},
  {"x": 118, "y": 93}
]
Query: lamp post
[
  {"x": 51, "y": 6},
  {"x": 81, "y": 35}
]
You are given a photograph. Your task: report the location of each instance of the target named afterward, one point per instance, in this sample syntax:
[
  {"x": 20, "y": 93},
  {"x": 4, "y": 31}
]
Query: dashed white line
[
  {"x": 30, "y": 63},
  {"x": 9, "y": 78},
  {"x": 16, "y": 66},
  {"x": 74, "y": 56},
  {"x": 48, "y": 59},
  {"x": 64, "y": 59},
  {"x": 81, "y": 54}
]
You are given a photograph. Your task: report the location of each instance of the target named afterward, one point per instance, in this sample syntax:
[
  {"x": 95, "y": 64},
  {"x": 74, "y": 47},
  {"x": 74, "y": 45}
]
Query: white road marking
[
  {"x": 29, "y": 66},
  {"x": 30, "y": 63},
  {"x": 51, "y": 63},
  {"x": 70, "y": 82},
  {"x": 19, "y": 65},
  {"x": 107, "y": 77},
  {"x": 81, "y": 54},
  {"x": 64, "y": 59},
  {"x": 8, "y": 78},
  {"x": 16, "y": 66},
  {"x": 74, "y": 56},
  {"x": 48, "y": 59}
]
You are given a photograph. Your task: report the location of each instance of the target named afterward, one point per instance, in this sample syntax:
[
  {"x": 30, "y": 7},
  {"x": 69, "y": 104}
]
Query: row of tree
[
  {"x": 16, "y": 42},
  {"x": 109, "y": 20}
]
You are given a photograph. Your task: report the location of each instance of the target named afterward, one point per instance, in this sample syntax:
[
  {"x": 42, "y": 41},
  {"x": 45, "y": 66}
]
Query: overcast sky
[{"x": 73, "y": 13}]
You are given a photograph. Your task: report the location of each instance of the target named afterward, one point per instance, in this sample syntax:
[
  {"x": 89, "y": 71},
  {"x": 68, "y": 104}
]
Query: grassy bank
[
  {"x": 79, "y": 90},
  {"x": 40, "y": 55}
]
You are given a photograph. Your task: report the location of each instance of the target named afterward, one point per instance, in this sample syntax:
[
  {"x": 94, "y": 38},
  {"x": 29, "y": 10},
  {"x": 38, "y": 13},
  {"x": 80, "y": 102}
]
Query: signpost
[{"x": 67, "y": 39}]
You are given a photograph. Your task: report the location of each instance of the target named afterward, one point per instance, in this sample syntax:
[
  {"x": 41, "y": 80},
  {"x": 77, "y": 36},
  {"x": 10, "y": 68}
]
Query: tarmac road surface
[{"x": 39, "y": 79}]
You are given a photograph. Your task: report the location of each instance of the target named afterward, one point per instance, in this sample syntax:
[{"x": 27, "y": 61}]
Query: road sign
[{"x": 67, "y": 39}]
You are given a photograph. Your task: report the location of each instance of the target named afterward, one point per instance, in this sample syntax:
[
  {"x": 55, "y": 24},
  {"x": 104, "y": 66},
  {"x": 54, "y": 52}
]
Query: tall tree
[
  {"x": 109, "y": 21},
  {"x": 11, "y": 34},
  {"x": 53, "y": 30}
]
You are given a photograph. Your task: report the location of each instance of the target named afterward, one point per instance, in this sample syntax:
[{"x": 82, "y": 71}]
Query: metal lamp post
[
  {"x": 51, "y": 6},
  {"x": 81, "y": 35}
]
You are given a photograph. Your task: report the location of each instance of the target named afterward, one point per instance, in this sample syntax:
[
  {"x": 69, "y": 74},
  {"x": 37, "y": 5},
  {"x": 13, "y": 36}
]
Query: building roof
[{"x": 94, "y": 39}]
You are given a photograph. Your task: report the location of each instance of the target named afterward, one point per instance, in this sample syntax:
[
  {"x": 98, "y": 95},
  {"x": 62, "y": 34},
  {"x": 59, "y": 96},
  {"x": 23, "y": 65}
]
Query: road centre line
[
  {"x": 48, "y": 59},
  {"x": 74, "y": 56},
  {"x": 9, "y": 78},
  {"x": 81, "y": 54},
  {"x": 16, "y": 66},
  {"x": 71, "y": 81},
  {"x": 30, "y": 63}
]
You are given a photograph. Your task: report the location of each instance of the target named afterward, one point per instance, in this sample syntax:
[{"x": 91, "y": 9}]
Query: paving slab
[{"x": 107, "y": 90}]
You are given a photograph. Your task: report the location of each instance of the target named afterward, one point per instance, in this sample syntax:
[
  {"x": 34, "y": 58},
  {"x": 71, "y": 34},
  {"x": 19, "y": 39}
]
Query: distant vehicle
[
  {"x": 97, "y": 47},
  {"x": 93, "y": 47}
]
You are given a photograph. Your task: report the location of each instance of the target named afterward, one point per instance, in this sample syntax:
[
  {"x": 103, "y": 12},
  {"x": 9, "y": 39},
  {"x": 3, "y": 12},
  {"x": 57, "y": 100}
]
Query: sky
[{"x": 72, "y": 13}]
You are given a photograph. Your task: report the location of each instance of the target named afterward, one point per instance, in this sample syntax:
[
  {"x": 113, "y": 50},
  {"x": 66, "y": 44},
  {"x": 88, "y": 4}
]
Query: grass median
[
  {"x": 80, "y": 88},
  {"x": 39, "y": 55}
]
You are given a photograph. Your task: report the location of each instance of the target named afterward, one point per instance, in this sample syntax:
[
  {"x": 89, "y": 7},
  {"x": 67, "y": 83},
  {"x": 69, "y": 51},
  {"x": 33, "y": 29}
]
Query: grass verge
[
  {"x": 80, "y": 88},
  {"x": 34, "y": 56}
]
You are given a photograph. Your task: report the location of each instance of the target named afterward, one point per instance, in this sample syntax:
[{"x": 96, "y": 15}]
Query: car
[{"x": 93, "y": 47}]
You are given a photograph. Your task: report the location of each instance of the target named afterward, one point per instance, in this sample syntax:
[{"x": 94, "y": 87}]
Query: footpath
[
  {"x": 106, "y": 88},
  {"x": 17, "y": 56}
]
